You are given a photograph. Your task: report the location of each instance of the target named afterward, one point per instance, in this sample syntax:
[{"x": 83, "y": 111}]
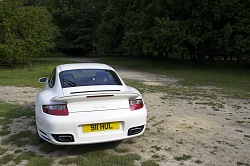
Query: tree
[
  {"x": 110, "y": 31},
  {"x": 25, "y": 32},
  {"x": 204, "y": 28},
  {"x": 168, "y": 35},
  {"x": 140, "y": 19},
  {"x": 213, "y": 27},
  {"x": 77, "y": 22}
]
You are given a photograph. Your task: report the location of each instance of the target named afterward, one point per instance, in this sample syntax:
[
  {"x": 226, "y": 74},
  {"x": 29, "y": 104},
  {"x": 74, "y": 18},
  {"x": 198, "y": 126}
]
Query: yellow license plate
[{"x": 100, "y": 127}]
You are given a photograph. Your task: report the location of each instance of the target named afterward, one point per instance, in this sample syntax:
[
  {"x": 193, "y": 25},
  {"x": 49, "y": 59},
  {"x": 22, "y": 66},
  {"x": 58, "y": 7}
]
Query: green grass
[
  {"x": 233, "y": 79},
  {"x": 183, "y": 157},
  {"x": 33, "y": 159},
  {"x": 24, "y": 156},
  {"x": 28, "y": 76},
  {"x": 121, "y": 150},
  {"x": 6, "y": 158},
  {"x": 22, "y": 138},
  {"x": 2, "y": 150},
  {"x": 10, "y": 111},
  {"x": 149, "y": 163},
  {"x": 101, "y": 158}
]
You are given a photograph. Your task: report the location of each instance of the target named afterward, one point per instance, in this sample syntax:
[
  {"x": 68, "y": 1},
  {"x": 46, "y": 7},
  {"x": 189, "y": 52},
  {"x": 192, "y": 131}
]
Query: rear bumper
[{"x": 132, "y": 124}]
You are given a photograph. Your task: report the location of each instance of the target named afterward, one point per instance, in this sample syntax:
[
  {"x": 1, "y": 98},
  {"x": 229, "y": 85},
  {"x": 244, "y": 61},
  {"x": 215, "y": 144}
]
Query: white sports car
[{"x": 88, "y": 103}]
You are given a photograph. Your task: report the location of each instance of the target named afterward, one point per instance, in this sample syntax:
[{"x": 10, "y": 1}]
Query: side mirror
[{"x": 43, "y": 80}]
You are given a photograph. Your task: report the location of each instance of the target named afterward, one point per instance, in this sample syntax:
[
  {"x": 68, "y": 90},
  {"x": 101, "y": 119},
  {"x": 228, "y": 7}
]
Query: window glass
[
  {"x": 88, "y": 77},
  {"x": 52, "y": 79}
]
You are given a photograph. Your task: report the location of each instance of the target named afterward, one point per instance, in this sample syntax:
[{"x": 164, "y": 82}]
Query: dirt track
[{"x": 205, "y": 127}]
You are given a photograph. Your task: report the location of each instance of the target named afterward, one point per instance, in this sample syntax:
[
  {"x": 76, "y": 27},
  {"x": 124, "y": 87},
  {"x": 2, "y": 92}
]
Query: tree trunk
[
  {"x": 160, "y": 54},
  {"x": 211, "y": 57},
  {"x": 238, "y": 58},
  {"x": 231, "y": 57},
  {"x": 225, "y": 57},
  {"x": 166, "y": 54},
  {"x": 141, "y": 54}
]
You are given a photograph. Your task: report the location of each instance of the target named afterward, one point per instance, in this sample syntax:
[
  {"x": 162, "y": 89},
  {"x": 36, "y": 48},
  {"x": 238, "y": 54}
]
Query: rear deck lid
[{"x": 96, "y": 100}]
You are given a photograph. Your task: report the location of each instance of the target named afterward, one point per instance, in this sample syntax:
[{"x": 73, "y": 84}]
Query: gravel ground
[{"x": 204, "y": 128}]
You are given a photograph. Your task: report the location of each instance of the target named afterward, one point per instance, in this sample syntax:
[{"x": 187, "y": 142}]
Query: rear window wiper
[{"x": 72, "y": 84}]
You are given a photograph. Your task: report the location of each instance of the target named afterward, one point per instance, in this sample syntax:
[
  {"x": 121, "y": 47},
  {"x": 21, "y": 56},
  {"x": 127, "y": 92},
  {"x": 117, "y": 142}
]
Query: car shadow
[{"x": 65, "y": 150}]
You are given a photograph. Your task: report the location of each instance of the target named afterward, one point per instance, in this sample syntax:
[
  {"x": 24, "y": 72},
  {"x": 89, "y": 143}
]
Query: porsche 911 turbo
[{"x": 87, "y": 103}]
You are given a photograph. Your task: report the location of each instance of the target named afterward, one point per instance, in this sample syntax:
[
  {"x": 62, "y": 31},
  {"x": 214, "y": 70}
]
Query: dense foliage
[
  {"x": 25, "y": 32},
  {"x": 201, "y": 29},
  {"x": 77, "y": 21}
]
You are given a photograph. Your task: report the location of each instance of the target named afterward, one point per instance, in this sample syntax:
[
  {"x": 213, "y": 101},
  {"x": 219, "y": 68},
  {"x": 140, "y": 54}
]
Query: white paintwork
[{"x": 83, "y": 110}]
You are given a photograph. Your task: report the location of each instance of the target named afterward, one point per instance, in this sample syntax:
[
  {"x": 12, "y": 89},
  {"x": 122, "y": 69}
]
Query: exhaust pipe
[
  {"x": 63, "y": 137},
  {"x": 135, "y": 130}
]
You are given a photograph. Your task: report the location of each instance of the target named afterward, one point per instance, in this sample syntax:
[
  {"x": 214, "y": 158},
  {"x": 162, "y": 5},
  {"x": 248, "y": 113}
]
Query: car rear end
[
  {"x": 93, "y": 118},
  {"x": 89, "y": 103}
]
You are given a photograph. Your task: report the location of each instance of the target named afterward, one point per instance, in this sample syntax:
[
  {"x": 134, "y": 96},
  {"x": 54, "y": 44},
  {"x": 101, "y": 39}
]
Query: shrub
[{"x": 25, "y": 32}]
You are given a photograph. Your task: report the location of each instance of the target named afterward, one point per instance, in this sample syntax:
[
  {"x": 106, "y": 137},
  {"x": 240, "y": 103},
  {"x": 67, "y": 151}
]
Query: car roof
[{"x": 73, "y": 66}]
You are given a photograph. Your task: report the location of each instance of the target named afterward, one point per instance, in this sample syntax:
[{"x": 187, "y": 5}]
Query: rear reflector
[
  {"x": 58, "y": 109},
  {"x": 135, "y": 104}
]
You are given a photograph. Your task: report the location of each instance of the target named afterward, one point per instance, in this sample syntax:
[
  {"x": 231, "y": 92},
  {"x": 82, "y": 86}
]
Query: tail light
[
  {"x": 135, "y": 104},
  {"x": 58, "y": 109}
]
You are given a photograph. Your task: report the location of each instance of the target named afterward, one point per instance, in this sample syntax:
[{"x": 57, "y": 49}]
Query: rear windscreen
[{"x": 88, "y": 77}]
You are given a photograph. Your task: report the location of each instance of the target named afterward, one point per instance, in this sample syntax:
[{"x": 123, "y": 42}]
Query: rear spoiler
[{"x": 82, "y": 97}]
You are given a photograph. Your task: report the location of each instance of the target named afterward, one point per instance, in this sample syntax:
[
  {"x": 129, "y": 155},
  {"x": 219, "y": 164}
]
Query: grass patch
[
  {"x": 24, "y": 156},
  {"x": 93, "y": 154},
  {"x": 183, "y": 157},
  {"x": 121, "y": 150},
  {"x": 149, "y": 163},
  {"x": 40, "y": 161},
  {"x": 50, "y": 148},
  {"x": 28, "y": 76},
  {"x": 224, "y": 76},
  {"x": 6, "y": 159},
  {"x": 77, "y": 150},
  {"x": 22, "y": 138},
  {"x": 4, "y": 132},
  {"x": 10, "y": 111},
  {"x": 220, "y": 75},
  {"x": 138, "y": 85},
  {"x": 2, "y": 150},
  {"x": 198, "y": 161},
  {"x": 101, "y": 158},
  {"x": 215, "y": 106},
  {"x": 74, "y": 160}
]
